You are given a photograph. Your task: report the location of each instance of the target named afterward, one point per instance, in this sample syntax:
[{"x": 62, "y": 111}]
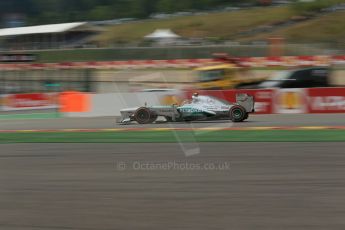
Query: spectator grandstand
[{"x": 63, "y": 35}]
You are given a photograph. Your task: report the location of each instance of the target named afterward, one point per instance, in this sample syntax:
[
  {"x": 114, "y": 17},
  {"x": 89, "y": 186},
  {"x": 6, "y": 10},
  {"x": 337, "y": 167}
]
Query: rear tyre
[
  {"x": 144, "y": 116},
  {"x": 237, "y": 113}
]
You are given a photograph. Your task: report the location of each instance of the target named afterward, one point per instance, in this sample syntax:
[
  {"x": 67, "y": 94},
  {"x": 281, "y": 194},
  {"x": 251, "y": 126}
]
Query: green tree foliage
[
  {"x": 307, "y": 7},
  {"x": 57, "y": 11}
]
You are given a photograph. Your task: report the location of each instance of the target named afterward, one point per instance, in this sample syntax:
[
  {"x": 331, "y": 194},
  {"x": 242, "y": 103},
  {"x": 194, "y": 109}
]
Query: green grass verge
[
  {"x": 29, "y": 116},
  {"x": 324, "y": 29},
  {"x": 328, "y": 29},
  {"x": 177, "y": 136},
  {"x": 229, "y": 25},
  {"x": 214, "y": 26},
  {"x": 156, "y": 53},
  {"x": 307, "y": 7}
]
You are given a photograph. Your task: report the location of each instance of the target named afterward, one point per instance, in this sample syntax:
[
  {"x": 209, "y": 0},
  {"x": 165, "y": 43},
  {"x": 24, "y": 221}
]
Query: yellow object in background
[{"x": 290, "y": 100}]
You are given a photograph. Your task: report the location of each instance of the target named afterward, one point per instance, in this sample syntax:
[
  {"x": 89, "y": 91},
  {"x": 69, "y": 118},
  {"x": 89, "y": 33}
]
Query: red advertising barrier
[
  {"x": 290, "y": 101},
  {"x": 267, "y": 101},
  {"x": 286, "y": 101},
  {"x": 311, "y": 100},
  {"x": 326, "y": 100},
  {"x": 10, "y": 102}
]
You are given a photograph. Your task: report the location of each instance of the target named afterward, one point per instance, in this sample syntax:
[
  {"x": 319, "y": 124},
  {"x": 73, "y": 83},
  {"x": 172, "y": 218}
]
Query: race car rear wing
[{"x": 246, "y": 101}]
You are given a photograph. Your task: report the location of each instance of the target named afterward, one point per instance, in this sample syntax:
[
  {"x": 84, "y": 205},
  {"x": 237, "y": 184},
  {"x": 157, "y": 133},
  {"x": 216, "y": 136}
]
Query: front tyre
[
  {"x": 237, "y": 113},
  {"x": 144, "y": 116}
]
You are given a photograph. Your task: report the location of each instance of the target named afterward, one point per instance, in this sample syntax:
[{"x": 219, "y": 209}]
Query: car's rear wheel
[
  {"x": 237, "y": 113},
  {"x": 144, "y": 116}
]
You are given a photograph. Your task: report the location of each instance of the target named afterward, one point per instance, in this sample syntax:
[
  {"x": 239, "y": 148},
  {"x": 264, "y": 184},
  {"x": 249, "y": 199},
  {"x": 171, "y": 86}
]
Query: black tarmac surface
[{"x": 130, "y": 186}]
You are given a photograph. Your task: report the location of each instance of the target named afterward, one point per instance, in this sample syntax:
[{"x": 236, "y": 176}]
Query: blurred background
[
  {"x": 67, "y": 68},
  {"x": 117, "y": 46}
]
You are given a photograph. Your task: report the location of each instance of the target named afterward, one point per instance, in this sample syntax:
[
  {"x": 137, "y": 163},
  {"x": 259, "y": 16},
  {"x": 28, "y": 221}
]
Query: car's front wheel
[{"x": 144, "y": 116}]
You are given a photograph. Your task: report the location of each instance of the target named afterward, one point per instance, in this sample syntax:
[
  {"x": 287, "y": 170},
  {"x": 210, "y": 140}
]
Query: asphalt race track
[
  {"x": 286, "y": 120},
  {"x": 109, "y": 186},
  {"x": 156, "y": 186}
]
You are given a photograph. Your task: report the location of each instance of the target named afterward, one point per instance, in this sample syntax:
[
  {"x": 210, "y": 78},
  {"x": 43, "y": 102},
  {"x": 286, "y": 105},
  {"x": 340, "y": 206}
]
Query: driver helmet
[{"x": 195, "y": 98}]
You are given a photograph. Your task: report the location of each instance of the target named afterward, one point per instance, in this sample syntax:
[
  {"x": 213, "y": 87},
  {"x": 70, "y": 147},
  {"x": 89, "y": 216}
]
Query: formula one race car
[{"x": 199, "y": 108}]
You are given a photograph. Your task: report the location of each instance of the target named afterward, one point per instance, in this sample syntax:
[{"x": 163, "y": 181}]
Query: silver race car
[{"x": 198, "y": 108}]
